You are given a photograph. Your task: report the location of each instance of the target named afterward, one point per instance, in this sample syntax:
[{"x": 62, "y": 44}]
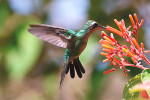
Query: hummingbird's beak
[{"x": 101, "y": 26}]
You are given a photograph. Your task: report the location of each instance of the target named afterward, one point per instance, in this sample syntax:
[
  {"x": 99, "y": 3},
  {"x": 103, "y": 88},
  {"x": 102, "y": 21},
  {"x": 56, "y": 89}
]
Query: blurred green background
[{"x": 30, "y": 68}]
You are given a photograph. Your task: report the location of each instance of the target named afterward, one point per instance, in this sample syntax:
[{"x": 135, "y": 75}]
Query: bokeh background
[{"x": 30, "y": 68}]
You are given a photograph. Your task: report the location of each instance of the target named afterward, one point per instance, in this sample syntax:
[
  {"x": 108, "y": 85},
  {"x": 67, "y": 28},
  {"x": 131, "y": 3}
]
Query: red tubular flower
[
  {"x": 111, "y": 70},
  {"x": 116, "y": 53},
  {"x": 136, "y": 44},
  {"x": 144, "y": 95},
  {"x": 135, "y": 26},
  {"x": 132, "y": 21},
  {"x": 121, "y": 26},
  {"x": 113, "y": 30}
]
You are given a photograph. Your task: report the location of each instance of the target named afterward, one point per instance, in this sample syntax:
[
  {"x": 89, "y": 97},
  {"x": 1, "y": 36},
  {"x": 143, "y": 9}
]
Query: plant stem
[{"x": 146, "y": 60}]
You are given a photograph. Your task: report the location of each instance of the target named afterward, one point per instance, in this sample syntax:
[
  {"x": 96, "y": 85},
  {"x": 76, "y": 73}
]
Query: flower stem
[{"x": 146, "y": 60}]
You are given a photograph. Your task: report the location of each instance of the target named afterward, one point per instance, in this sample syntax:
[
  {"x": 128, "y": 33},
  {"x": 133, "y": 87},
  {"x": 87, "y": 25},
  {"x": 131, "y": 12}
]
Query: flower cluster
[{"x": 117, "y": 53}]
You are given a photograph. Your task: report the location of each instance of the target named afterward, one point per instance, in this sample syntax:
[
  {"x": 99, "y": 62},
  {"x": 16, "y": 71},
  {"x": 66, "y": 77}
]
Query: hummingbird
[{"x": 73, "y": 42}]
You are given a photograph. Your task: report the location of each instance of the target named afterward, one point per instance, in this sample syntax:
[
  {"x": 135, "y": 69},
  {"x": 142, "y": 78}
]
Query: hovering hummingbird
[{"x": 74, "y": 42}]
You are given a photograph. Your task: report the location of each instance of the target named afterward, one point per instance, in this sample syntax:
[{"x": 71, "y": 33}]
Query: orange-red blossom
[{"x": 117, "y": 53}]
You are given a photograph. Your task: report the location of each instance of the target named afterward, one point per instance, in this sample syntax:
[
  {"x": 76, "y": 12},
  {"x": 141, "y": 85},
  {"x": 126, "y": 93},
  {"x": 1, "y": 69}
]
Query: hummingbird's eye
[{"x": 95, "y": 25}]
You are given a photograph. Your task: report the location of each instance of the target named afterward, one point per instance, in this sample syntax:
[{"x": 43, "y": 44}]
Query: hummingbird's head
[{"x": 92, "y": 25}]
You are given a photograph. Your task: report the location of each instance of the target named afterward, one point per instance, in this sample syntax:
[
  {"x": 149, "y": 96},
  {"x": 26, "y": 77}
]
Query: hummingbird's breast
[{"x": 77, "y": 47}]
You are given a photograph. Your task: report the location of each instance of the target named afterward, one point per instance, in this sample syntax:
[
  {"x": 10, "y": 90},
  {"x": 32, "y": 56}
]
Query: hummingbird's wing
[{"x": 54, "y": 35}]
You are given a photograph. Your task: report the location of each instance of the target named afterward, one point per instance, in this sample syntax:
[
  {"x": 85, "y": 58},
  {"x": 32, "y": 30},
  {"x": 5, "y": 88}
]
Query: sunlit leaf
[
  {"x": 127, "y": 95},
  {"x": 136, "y": 85},
  {"x": 145, "y": 75},
  {"x": 146, "y": 79}
]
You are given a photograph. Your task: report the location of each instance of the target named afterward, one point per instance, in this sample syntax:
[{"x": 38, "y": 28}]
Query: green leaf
[
  {"x": 127, "y": 95},
  {"x": 146, "y": 77}
]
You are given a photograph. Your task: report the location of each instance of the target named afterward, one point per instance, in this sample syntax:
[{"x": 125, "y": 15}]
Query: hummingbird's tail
[
  {"x": 75, "y": 65},
  {"x": 72, "y": 66}
]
